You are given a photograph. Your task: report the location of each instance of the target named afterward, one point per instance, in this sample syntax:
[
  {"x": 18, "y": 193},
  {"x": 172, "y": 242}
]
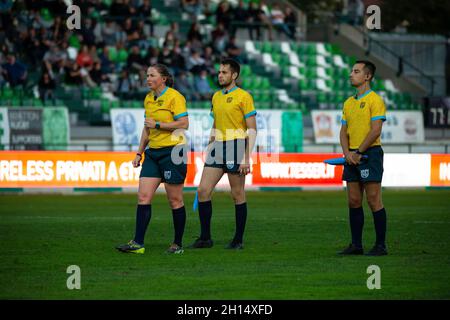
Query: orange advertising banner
[
  {"x": 67, "y": 169},
  {"x": 440, "y": 170}
]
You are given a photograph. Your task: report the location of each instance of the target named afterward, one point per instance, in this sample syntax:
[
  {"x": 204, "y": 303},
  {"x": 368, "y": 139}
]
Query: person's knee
[
  {"x": 354, "y": 201},
  {"x": 204, "y": 193},
  {"x": 176, "y": 202},
  {"x": 238, "y": 195},
  {"x": 144, "y": 197},
  {"x": 374, "y": 202}
]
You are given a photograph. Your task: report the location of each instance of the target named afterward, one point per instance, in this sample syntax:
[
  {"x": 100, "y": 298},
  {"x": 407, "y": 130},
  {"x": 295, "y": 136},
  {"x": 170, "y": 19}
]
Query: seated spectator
[
  {"x": 107, "y": 65},
  {"x": 97, "y": 75},
  {"x": 14, "y": 72},
  {"x": 135, "y": 62},
  {"x": 219, "y": 38},
  {"x": 179, "y": 63},
  {"x": 195, "y": 62},
  {"x": 185, "y": 86},
  {"x": 277, "y": 19},
  {"x": 84, "y": 59},
  {"x": 73, "y": 74},
  {"x": 192, "y": 7},
  {"x": 194, "y": 33},
  {"x": 263, "y": 18},
  {"x": 152, "y": 56},
  {"x": 125, "y": 85},
  {"x": 233, "y": 51},
  {"x": 166, "y": 57},
  {"x": 54, "y": 57},
  {"x": 201, "y": 85},
  {"x": 46, "y": 87},
  {"x": 131, "y": 32},
  {"x": 169, "y": 40},
  {"x": 210, "y": 59},
  {"x": 109, "y": 33}
]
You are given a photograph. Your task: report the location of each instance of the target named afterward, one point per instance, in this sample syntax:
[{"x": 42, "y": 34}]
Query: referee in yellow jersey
[
  {"x": 164, "y": 144},
  {"x": 229, "y": 150},
  {"x": 362, "y": 121}
]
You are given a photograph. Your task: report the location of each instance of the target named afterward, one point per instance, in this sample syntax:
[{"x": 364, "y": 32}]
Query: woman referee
[{"x": 164, "y": 144}]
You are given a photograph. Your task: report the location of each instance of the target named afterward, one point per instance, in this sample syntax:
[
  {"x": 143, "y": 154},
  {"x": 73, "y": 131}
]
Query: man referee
[{"x": 362, "y": 121}]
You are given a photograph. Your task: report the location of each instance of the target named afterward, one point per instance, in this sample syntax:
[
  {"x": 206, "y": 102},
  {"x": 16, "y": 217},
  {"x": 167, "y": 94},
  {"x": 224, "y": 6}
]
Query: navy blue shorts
[
  {"x": 226, "y": 155},
  {"x": 370, "y": 170},
  {"x": 168, "y": 163}
]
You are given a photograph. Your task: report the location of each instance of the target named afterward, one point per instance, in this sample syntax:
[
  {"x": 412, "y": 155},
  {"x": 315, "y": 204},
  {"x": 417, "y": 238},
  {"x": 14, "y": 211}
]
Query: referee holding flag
[{"x": 362, "y": 120}]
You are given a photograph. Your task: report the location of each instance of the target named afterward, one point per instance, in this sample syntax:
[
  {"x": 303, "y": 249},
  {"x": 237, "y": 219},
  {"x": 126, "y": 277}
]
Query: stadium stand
[{"x": 102, "y": 66}]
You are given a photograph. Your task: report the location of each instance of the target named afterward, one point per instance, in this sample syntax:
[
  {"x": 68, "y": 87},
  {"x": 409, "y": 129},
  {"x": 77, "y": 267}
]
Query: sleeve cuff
[
  {"x": 378, "y": 118},
  {"x": 252, "y": 113},
  {"x": 211, "y": 115},
  {"x": 343, "y": 122},
  {"x": 178, "y": 116}
]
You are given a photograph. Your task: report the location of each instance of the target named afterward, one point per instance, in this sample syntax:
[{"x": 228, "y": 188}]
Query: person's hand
[
  {"x": 352, "y": 158},
  {"x": 137, "y": 161},
  {"x": 244, "y": 168},
  {"x": 150, "y": 123}
]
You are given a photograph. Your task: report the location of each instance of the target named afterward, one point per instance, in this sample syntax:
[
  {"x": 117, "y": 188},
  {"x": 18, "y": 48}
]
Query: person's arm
[
  {"x": 343, "y": 137},
  {"x": 244, "y": 168},
  {"x": 181, "y": 123},
  {"x": 142, "y": 145},
  {"x": 374, "y": 133}
]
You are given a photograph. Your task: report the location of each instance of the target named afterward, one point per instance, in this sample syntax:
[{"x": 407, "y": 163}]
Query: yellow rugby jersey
[
  {"x": 168, "y": 107},
  {"x": 229, "y": 111},
  {"x": 357, "y": 115}
]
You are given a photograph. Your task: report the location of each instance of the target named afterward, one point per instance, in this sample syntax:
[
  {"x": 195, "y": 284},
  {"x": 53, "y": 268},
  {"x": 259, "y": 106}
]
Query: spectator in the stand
[
  {"x": 264, "y": 19},
  {"x": 135, "y": 62},
  {"x": 192, "y": 7},
  {"x": 107, "y": 65},
  {"x": 179, "y": 63},
  {"x": 14, "y": 71},
  {"x": 175, "y": 29},
  {"x": 195, "y": 62},
  {"x": 290, "y": 19},
  {"x": 130, "y": 30},
  {"x": 58, "y": 29},
  {"x": 254, "y": 21},
  {"x": 233, "y": 51},
  {"x": 145, "y": 13},
  {"x": 208, "y": 56},
  {"x": 118, "y": 10},
  {"x": 46, "y": 88},
  {"x": 54, "y": 58},
  {"x": 97, "y": 75},
  {"x": 219, "y": 38},
  {"x": 169, "y": 40},
  {"x": 240, "y": 18},
  {"x": 277, "y": 19},
  {"x": 87, "y": 32},
  {"x": 152, "y": 56},
  {"x": 166, "y": 57},
  {"x": 144, "y": 34},
  {"x": 109, "y": 33},
  {"x": 202, "y": 86},
  {"x": 73, "y": 74},
  {"x": 84, "y": 59},
  {"x": 185, "y": 87},
  {"x": 194, "y": 33},
  {"x": 224, "y": 15},
  {"x": 125, "y": 85}
]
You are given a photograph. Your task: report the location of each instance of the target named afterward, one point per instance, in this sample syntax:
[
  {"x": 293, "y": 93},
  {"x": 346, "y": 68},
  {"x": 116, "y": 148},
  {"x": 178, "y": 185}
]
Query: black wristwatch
[
  {"x": 139, "y": 154},
  {"x": 157, "y": 125}
]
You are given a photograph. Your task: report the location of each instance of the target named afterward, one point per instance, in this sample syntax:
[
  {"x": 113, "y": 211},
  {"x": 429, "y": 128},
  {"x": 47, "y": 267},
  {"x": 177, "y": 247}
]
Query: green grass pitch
[{"x": 290, "y": 250}]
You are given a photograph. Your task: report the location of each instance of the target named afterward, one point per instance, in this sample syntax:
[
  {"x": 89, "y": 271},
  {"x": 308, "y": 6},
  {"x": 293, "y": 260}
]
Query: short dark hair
[
  {"x": 369, "y": 67},
  {"x": 234, "y": 65}
]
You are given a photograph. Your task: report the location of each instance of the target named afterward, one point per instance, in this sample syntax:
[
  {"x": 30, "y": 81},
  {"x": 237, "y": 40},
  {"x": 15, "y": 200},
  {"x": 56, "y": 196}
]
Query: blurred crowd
[{"x": 116, "y": 43}]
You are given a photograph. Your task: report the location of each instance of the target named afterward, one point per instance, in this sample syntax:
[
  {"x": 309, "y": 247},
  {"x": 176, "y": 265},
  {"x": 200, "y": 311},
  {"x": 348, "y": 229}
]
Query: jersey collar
[
  {"x": 164, "y": 91},
  {"x": 229, "y": 91},
  {"x": 363, "y": 95}
]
